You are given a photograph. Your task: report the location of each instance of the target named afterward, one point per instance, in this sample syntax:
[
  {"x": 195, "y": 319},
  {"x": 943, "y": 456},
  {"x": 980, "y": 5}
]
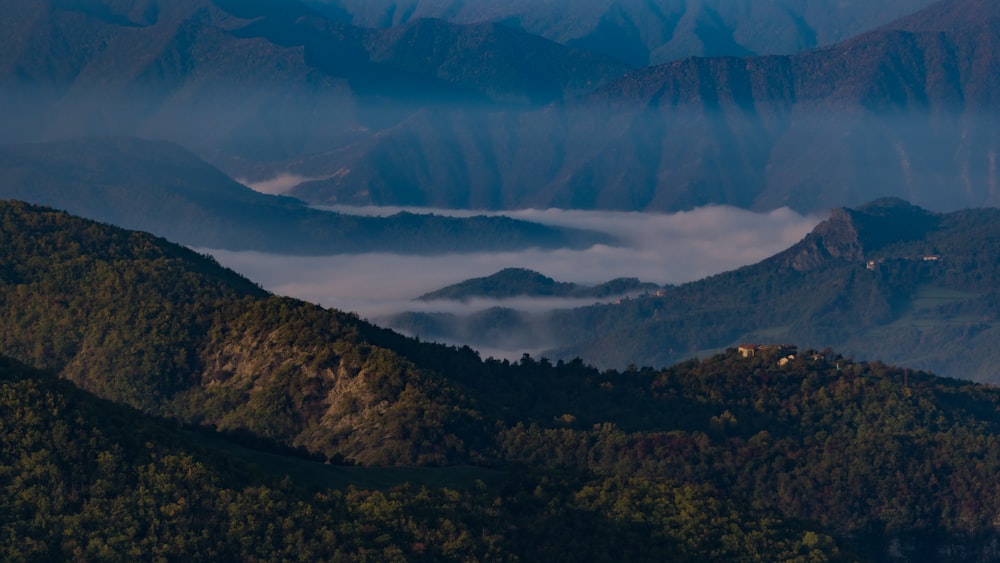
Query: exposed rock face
[
  {"x": 835, "y": 238},
  {"x": 854, "y": 234}
]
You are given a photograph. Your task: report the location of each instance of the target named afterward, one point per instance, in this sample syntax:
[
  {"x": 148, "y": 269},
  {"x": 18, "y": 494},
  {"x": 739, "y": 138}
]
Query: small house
[{"x": 754, "y": 350}]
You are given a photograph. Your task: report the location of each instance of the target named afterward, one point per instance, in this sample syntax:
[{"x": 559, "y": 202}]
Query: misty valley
[{"x": 482, "y": 280}]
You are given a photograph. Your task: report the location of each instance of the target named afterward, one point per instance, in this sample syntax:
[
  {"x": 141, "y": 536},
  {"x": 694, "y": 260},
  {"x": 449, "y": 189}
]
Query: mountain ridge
[
  {"x": 159, "y": 187},
  {"x": 887, "y": 280},
  {"x": 522, "y": 282},
  {"x": 824, "y": 128},
  {"x": 647, "y": 32}
]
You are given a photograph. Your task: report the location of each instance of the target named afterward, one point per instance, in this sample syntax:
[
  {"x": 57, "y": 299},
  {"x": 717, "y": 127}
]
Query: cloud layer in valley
[{"x": 659, "y": 248}]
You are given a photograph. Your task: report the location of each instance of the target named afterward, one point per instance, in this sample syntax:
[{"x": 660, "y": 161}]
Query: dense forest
[
  {"x": 88, "y": 480},
  {"x": 229, "y": 424}
]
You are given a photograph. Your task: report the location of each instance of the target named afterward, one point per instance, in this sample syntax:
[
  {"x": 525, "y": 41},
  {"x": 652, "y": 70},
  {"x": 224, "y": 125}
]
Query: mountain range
[
  {"x": 254, "y": 82},
  {"x": 156, "y": 405},
  {"x": 643, "y": 32},
  {"x": 486, "y": 115},
  {"x": 907, "y": 110},
  {"x": 241, "y": 395},
  {"x": 886, "y": 280}
]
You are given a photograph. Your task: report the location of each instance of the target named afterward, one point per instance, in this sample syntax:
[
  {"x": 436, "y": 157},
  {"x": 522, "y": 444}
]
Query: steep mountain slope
[
  {"x": 887, "y": 280},
  {"x": 909, "y": 110},
  {"x": 924, "y": 293},
  {"x": 140, "y": 321},
  {"x": 645, "y": 32},
  {"x": 255, "y": 81},
  {"x": 161, "y": 188}
]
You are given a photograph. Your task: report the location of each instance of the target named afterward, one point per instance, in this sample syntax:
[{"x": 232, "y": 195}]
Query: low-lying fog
[{"x": 661, "y": 248}]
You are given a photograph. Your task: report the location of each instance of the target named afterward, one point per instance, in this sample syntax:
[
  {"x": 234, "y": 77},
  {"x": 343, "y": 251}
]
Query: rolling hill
[{"x": 520, "y": 282}]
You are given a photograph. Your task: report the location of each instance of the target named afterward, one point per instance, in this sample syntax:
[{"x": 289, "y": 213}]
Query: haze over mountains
[
  {"x": 886, "y": 280},
  {"x": 259, "y": 80},
  {"x": 242, "y": 394},
  {"x": 157, "y": 405},
  {"x": 907, "y": 110},
  {"x": 487, "y": 116},
  {"x": 161, "y": 188},
  {"x": 643, "y": 32},
  {"x": 520, "y": 282}
]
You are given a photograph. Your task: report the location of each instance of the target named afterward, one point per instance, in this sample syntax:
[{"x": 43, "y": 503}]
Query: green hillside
[
  {"x": 727, "y": 459},
  {"x": 89, "y": 480},
  {"x": 886, "y": 280}
]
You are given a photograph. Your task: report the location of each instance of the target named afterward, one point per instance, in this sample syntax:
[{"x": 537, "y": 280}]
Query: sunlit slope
[
  {"x": 91, "y": 480},
  {"x": 144, "y": 322}
]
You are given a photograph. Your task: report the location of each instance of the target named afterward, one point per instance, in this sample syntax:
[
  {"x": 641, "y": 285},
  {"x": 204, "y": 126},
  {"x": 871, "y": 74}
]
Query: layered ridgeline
[
  {"x": 728, "y": 459},
  {"x": 486, "y": 116},
  {"x": 644, "y": 32},
  {"x": 161, "y": 188},
  {"x": 520, "y": 282},
  {"x": 253, "y": 83},
  {"x": 886, "y": 280},
  {"x": 907, "y": 110}
]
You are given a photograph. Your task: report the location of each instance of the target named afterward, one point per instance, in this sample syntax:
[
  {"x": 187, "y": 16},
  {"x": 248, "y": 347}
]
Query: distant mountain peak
[
  {"x": 522, "y": 282},
  {"x": 854, "y": 234}
]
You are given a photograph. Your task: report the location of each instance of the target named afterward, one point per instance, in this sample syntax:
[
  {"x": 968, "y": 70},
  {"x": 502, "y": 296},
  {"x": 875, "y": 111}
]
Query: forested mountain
[
  {"x": 644, "y": 32},
  {"x": 727, "y": 459},
  {"x": 908, "y": 110},
  {"x": 161, "y": 188},
  {"x": 86, "y": 479},
  {"x": 886, "y": 280},
  {"x": 521, "y": 282}
]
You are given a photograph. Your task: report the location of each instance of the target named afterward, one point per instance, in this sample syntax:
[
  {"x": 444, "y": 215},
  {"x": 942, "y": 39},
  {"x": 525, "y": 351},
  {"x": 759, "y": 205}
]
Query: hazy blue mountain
[
  {"x": 246, "y": 83},
  {"x": 521, "y": 282},
  {"x": 161, "y": 188},
  {"x": 644, "y": 32},
  {"x": 486, "y": 116},
  {"x": 908, "y": 110}
]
